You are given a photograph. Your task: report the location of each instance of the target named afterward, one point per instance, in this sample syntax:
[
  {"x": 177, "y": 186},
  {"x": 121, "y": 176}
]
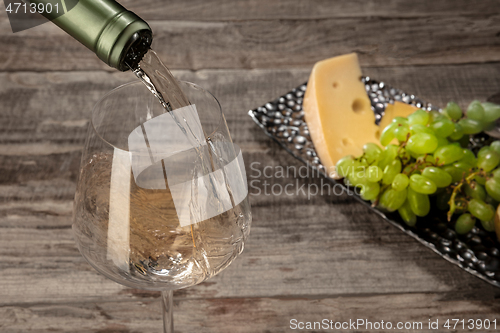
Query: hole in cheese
[
  {"x": 377, "y": 134},
  {"x": 358, "y": 105},
  {"x": 347, "y": 142},
  {"x": 335, "y": 84}
]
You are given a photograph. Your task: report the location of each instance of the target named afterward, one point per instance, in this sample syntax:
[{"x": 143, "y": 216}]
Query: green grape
[
  {"x": 422, "y": 143},
  {"x": 354, "y": 180},
  {"x": 481, "y": 210},
  {"x": 388, "y": 134},
  {"x": 488, "y": 161},
  {"x": 440, "y": 177},
  {"x": 455, "y": 173},
  {"x": 484, "y": 150},
  {"x": 460, "y": 204},
  {"x": 488, "y": 126},
  {"x": 488, "y": 225},
  {"x": 443, "y": 127},
  {"x": 436, "y": 115},
  {"x": 480, "y": 179},
  {"x": 391, "y": 199},
  {"x": 495, "y": 146},
  {"x": 418, "y": 117},
  {"x": 458, "y": 132},
  {"x": 491, "y": 201},
  {"x": 404, "y": 155},
  {"x": 496, "y": 174},
  {"x": 388, "y": 155},
  {"x": 418, "y": 128},
  {"x": 372, "y": 152},
  {"x": 419, "y": 203},
  {"x": 390, "y": 171},
  {"x": 407, "y": 214},
  {"x": 453, "y": 111},
  {"x": 429, "y": 159},
  {"x": 448, "y": 154},
  {"x": 400, "y": 182},
  {"x": 442, "y": 142},
  {"x": 400, "y": 120},
  {"x": 462, "y": 166},
  {"x": 422, "y": 184},
  {"x": 345, "y": 165},
  {"x": 370, "y": 191},
  {"x": 464, "y": 224},
  {"x": 357, "y": 177},
  {"x": 402, "y": 132},
  {"x": 363, "y": 162},
  {"x": 475, "y": 111},
  {"x": 442, "y": 200},
  {"x": 468, "y": 158},
  {"x": 491, "y": 112},
  {"x": 493, "y": 188},
  {"x": 374, "y": 173},
  {"x": 470, "y": 126},
  {"x": 475, "y": 191},
  {"x": 409, "y": 170}
]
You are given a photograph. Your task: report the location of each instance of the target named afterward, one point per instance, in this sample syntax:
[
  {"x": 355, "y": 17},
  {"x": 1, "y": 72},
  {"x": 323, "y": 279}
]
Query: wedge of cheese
[{"x": 338, "y": 112}]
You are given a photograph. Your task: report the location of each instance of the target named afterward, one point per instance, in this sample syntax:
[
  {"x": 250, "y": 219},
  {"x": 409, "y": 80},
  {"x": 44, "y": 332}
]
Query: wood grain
[
  {"x": 219, "y": 10},
  {"x": 308, "y": 258},
  {"x": 227, "y": 10},
  {"x": 274, "y": 43},
  {"x": 49, "y": 112},
  {"x": 45, "y": 115},
  {"x": 260, "y": 314}
]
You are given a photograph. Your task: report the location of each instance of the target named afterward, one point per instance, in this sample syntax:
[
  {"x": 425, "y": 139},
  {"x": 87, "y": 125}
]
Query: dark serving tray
[{"x": 478, "y": 252}]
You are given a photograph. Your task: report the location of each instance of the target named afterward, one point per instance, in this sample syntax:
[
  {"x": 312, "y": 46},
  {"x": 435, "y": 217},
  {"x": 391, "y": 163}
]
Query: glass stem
[{"x": 167, "y": 304}]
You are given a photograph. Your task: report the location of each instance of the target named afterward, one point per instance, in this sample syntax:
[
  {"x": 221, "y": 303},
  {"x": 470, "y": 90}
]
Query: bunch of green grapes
[{"x": 431, "y": 161}]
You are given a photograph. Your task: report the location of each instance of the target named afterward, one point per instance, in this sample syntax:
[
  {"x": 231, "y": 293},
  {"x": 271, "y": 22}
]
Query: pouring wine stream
[{"x": 162, "y": 84}]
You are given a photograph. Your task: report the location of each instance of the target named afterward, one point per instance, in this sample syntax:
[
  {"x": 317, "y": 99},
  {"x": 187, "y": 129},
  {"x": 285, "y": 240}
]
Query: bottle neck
[{"x": 118, "y": 36}]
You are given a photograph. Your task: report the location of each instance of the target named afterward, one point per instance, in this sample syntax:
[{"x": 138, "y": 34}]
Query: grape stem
[
  {"x": 456, "y": 190},
  {"x": 416, "y": 165},
  {"x": 382, "y": 189}
]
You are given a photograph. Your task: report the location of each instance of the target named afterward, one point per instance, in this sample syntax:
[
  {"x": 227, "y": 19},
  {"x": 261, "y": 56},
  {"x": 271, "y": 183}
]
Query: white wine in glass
[{"x": 155, "y": 209}]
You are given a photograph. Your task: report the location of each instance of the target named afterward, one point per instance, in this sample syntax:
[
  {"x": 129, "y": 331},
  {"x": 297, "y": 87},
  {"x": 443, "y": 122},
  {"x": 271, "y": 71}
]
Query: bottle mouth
[
  {"x": 126, "y": 37},
  {"x": 138, "y": 45}
]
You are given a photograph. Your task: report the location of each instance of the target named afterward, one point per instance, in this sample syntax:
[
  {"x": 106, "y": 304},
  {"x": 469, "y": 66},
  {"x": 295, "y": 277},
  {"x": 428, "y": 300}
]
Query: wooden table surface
[{"x": 306, "y": 259}]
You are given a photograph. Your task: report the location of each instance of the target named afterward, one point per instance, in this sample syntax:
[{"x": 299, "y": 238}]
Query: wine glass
[{"x": 161, "y": 202}]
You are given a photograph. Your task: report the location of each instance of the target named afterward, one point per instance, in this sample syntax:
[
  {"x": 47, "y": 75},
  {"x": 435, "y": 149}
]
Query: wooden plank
[
  {"x": 218, "y": 10},
  {"x": 40, "y": 142},
  {"x": 253, "y": 314},
  {"x": 384, "y": 42},
  {"x": 30, "y": 116},
  {"x": 227, "y": 10},
  {"x": 56, "y": 133}
]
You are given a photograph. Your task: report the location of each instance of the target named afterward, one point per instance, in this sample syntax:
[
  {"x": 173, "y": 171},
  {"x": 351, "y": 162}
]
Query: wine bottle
[{"x": 116, "y": 35}]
